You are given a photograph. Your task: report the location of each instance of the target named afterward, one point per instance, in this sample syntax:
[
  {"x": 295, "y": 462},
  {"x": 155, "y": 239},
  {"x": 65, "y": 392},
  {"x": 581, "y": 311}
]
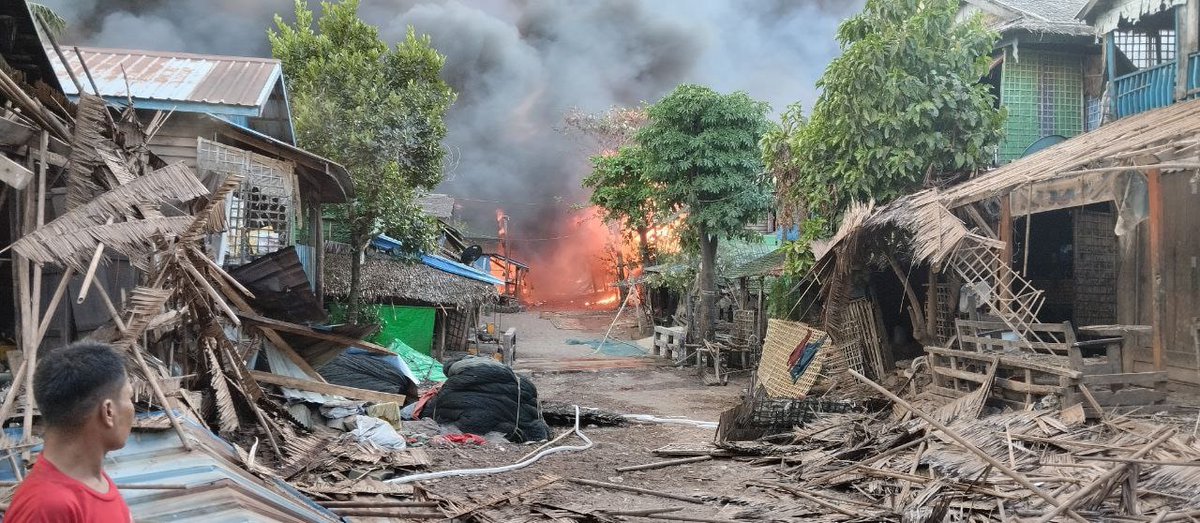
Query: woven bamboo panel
[{"x": 783, "y": 339}]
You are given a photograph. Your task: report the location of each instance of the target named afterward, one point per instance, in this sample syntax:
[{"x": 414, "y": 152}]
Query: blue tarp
[{"x": 386, "y": 243}]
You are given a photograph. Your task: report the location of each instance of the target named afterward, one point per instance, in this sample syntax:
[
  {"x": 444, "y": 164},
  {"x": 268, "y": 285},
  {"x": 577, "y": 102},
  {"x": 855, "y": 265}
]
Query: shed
[{"x": 1118, "y": 207}]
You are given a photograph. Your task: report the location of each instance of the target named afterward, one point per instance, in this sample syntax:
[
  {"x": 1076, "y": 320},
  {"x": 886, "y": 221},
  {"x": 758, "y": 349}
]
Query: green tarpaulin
[
  {"x": 411, "y": 325},
  {"x": 423, "y": 367}
]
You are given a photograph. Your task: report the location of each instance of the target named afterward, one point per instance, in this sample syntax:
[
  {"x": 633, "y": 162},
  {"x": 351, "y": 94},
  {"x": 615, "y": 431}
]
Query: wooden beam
[
  {"x": 292, "y": 328},
  {"x": 1158, "y": 290},
  {"x": 983, "y": 225},
  {"x": 327, "y": 388},
  {"x": 14, "y": 174}
]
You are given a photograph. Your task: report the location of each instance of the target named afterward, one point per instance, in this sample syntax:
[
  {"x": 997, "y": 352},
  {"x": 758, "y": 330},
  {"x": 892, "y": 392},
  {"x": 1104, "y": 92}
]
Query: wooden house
[
  {"x": 222, "y": 115},
  {"x": 1150, "y": 51},
  {"x": 1046, "y": 71}
]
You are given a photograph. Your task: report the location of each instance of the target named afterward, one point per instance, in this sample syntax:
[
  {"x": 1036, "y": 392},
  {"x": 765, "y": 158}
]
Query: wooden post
[
  {"x": 931, "y": 299},
  {"x": 441, "y": 353},
  {"x": 1158, "y": 290},
  {"x": 1183, "y": 38},
  {"x": 317, "y": 225},
  {"x": 1004, "y": 286}
]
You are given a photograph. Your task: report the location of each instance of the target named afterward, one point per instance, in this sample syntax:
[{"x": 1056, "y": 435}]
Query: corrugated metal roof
[
  {"x": 223, "y": 84},
  {"x": 216, "y": 487}
]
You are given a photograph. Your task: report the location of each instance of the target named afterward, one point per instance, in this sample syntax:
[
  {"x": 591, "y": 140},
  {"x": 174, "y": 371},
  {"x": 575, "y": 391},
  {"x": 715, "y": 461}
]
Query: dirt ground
[{"x": 656, "y": 388}]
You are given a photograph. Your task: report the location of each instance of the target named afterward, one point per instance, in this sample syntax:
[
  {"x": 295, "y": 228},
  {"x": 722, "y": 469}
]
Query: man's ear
[{"x": 108, "y": 413}]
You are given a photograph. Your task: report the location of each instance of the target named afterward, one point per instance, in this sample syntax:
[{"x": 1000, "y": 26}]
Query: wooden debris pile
[
  {"x": 968, "y": 462},
  {"x": 187, "y": 327}
]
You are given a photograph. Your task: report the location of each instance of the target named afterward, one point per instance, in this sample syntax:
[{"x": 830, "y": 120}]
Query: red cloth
[
  {"x": 428, "y": 395},
  {"x": 49, "y": 496}
]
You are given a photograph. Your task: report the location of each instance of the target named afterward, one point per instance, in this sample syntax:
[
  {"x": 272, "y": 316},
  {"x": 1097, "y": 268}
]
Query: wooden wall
[
  {"x": 177, "y": 139},
  {"x": 1181, "y": 279}
]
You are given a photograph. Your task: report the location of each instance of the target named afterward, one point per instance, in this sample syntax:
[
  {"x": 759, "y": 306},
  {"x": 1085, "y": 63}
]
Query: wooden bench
[{"x": 1056, "y": 365}]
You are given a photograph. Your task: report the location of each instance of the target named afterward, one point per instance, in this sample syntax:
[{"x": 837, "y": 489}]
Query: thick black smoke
[{"x": 519, "y": 65}]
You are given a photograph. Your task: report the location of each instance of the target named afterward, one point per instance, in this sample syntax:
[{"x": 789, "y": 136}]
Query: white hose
[
  {"x": 646, "y": 418},
  {"x": 497, "y": 470}
]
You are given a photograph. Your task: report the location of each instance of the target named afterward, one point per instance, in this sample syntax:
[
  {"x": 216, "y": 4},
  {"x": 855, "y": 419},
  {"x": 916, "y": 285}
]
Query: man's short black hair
[{"x": 73, "y": 379}]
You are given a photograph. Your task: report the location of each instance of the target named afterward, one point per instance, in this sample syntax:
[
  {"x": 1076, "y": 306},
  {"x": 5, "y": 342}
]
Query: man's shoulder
[{"x": 44, "y": 501}]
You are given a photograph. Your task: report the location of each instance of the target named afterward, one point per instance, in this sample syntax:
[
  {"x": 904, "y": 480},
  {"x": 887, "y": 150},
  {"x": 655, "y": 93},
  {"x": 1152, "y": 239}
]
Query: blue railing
[
  {"x": 1193, "y": 76},
  {"x": 1145, "y": 90}
]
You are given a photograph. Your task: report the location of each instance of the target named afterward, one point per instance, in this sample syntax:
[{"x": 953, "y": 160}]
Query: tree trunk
[
  {"x": 644, "y": 247},
  {"x": 622, "y": 290},
  {"x": 354, "y": 307},
  {"x": 708, "y": 284}
]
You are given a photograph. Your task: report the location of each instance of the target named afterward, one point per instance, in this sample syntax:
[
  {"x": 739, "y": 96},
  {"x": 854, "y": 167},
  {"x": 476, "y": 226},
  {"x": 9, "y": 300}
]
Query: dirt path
[{"x": 657, "y": 388}]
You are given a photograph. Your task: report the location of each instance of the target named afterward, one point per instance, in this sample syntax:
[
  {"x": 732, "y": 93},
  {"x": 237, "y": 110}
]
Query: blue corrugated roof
[
  {"x": 386, "y": 243},
  {"x": 453, "y": 267}
]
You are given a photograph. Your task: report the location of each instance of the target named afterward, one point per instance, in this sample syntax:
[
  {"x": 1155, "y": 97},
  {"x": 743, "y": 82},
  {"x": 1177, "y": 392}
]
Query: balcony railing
[
  {"x": 1145, "y": 90},
  {"x": 1154, "y": 87}
]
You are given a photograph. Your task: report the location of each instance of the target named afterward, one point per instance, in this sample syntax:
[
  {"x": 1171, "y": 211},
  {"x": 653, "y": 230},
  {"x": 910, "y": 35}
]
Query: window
[
  {"x": 1146, "y": 48},
  {"x": 262, "y": 213}
]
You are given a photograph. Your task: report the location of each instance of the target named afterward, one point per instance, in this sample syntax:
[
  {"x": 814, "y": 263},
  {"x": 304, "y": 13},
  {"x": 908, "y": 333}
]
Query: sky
[{"x": 520, "y": 65}]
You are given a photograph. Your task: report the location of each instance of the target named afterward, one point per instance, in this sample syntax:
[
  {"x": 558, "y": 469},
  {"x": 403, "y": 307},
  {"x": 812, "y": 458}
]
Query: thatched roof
[
  {"x": 385, "y": 278},
  {"x": 1165, "y": 138}
]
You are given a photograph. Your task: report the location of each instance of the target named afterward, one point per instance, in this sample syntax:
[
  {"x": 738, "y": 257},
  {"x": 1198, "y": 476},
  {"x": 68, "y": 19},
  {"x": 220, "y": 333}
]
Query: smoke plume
[{"x": 519, "y": 66}]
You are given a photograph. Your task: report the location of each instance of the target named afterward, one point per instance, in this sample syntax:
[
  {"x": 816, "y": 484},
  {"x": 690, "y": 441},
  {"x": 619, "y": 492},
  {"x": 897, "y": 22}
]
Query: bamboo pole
[
  {"x": 1016, "y": 476},
  {"x": 28, "y": 322},
  {"x": 91, "y": 270},
  {"x": 202, "y": 282},
  {"x": 1104, "y": 479},
  {"x": 162, "y": 398},
  {"x": 61, "y": 290}
]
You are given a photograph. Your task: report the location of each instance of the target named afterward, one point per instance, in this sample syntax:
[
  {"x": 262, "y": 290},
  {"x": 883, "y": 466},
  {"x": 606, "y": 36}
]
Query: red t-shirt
[{"x": 49, "y": 496}]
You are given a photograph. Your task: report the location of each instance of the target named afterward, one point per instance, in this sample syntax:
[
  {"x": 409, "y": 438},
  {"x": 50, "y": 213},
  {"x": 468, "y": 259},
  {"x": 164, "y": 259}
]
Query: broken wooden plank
[
  {"x": 966, "y": 444},
  {"x": 292, "y": 328},
  {"x": 1104, "y": 479},
  {"x": 664, "y": 464},
  {"x": 984, "y": 357},
  {"x": 327, "y": 388},
  {"x": 1143, "y": 379},
  {"x": 541, "y": 483},
  {"x": 14, "y": 174},
  {"x": 627, "y": 488}
]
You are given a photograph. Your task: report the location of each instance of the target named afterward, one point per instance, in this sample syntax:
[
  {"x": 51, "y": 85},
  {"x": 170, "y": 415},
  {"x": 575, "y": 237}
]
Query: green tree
[
  {"x": 619, "y": 187},
  {"x": 900, "y": 108},
  {"x": 376, "y": 109},
  {"x": 702, "y": 152}
]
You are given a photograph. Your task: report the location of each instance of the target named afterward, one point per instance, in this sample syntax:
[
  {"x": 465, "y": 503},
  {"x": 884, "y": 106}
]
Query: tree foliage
[
  {"x": 901, "y": 107},
  {"x": 378, "y": 110},
  {"x": 619, "y": 187},
  {"x": 701, "y": 151},
  {"x": 701, "y": 148}
]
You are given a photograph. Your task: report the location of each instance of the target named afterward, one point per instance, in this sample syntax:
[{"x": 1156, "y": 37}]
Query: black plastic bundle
[
  {"x": 482, "y": 395},
  {"x": 364, "y": 370}
]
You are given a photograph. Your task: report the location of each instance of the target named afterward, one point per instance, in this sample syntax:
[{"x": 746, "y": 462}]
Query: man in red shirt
[{"x": 86, "y": 406}]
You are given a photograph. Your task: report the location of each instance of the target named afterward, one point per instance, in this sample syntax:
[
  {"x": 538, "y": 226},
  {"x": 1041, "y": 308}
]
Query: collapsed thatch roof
[
  {"x": 1148, "y": 140},
  {"x": 386, "y": 278}
]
